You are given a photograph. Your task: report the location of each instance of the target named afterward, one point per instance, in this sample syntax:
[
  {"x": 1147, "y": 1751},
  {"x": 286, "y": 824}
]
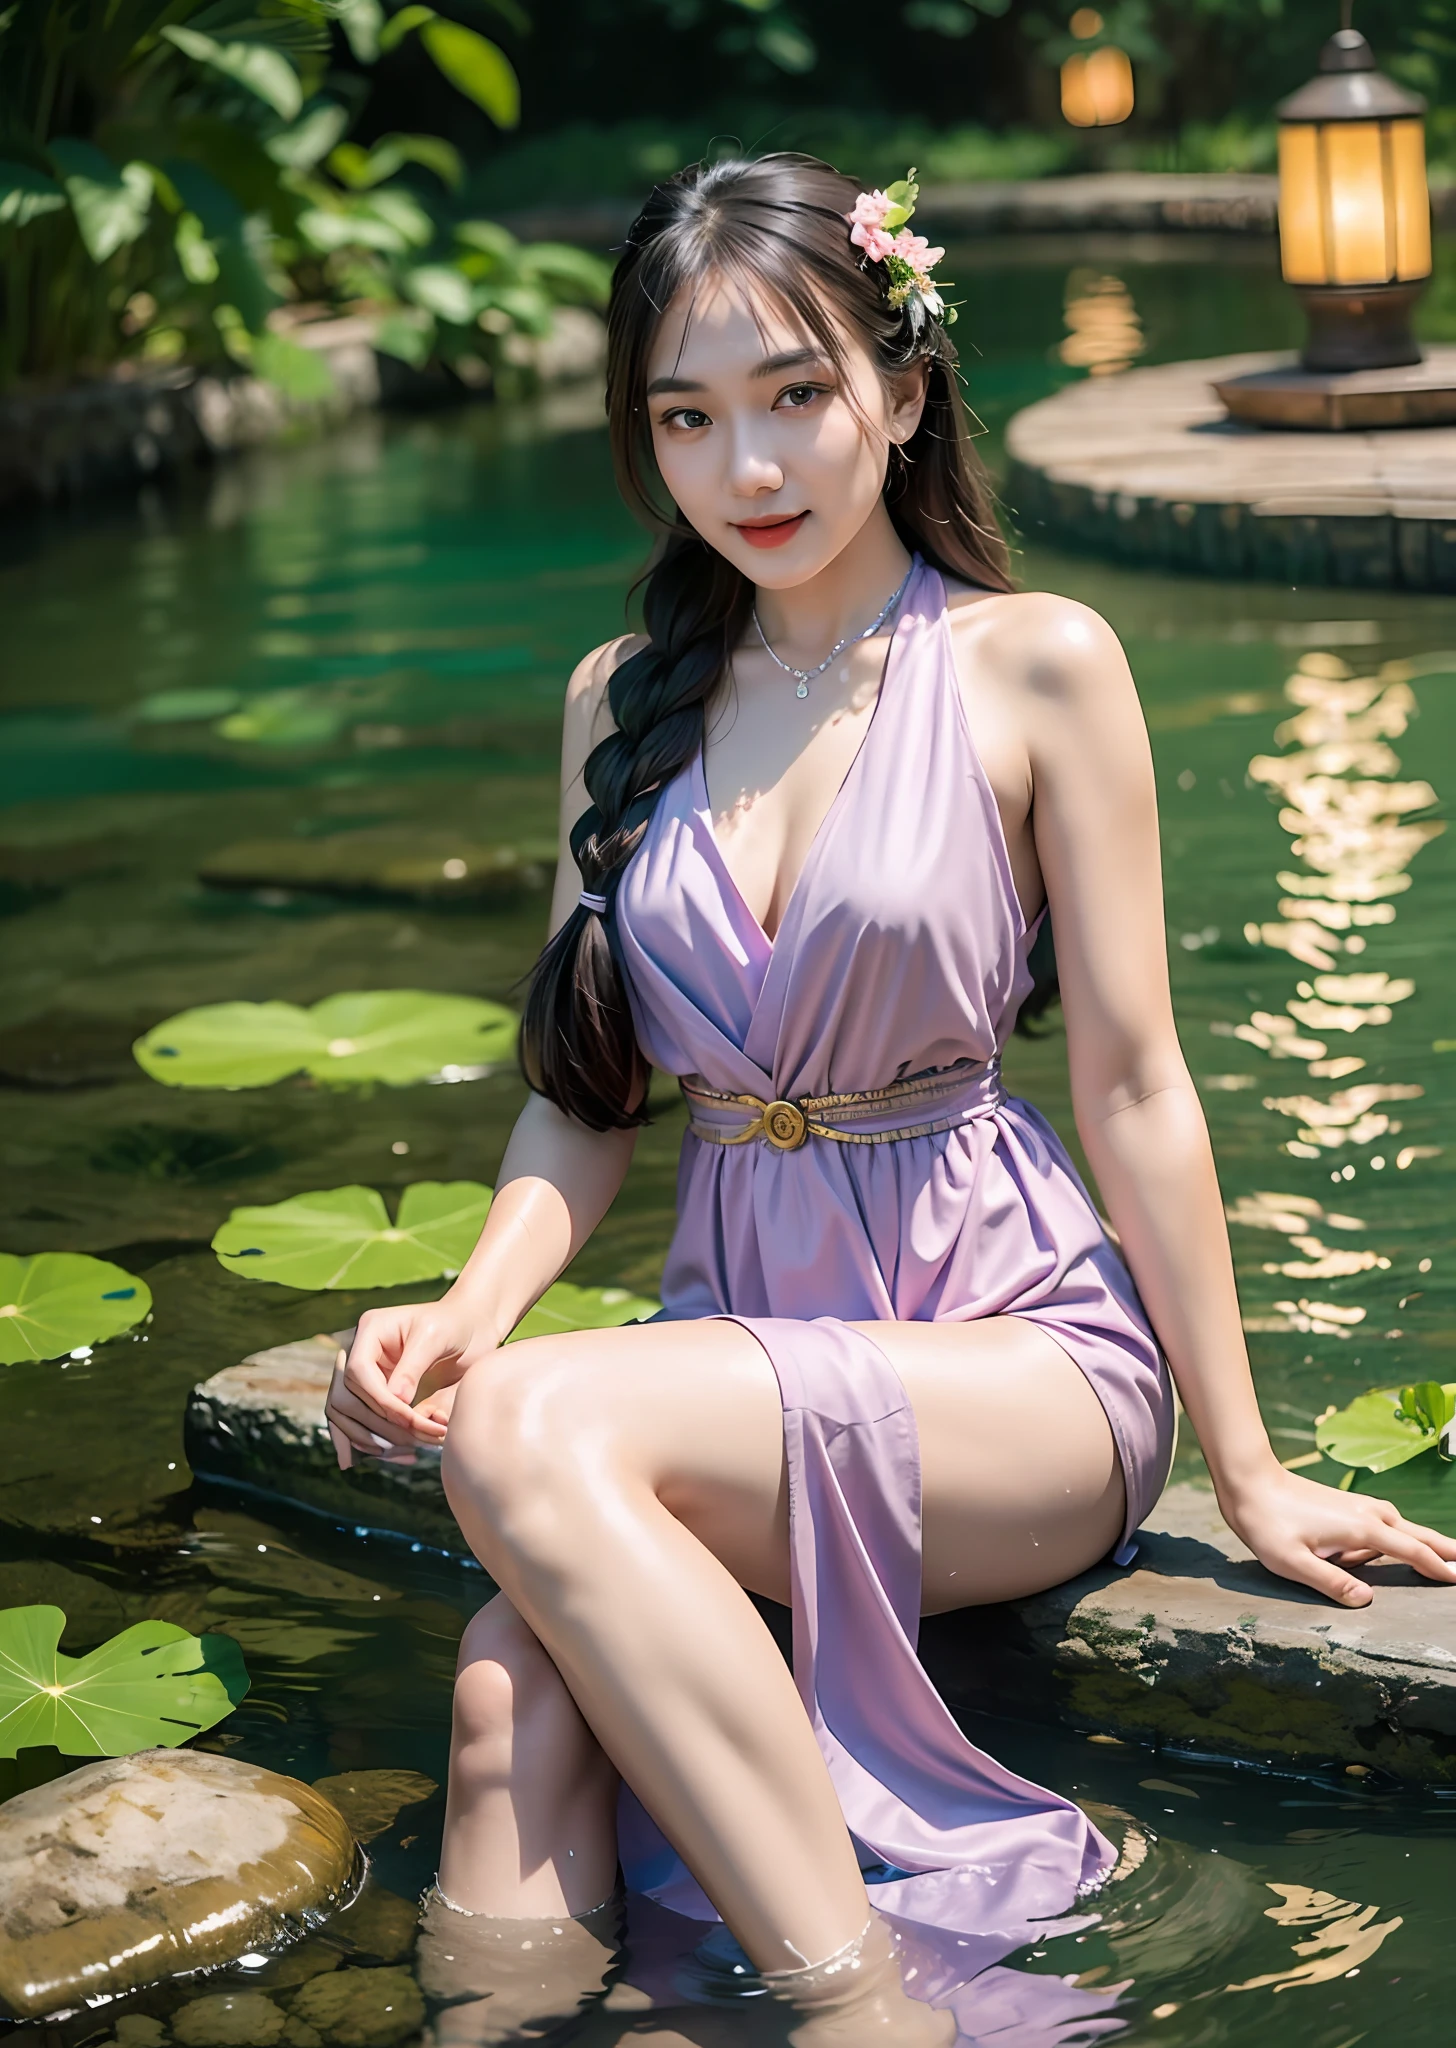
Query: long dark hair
[{"x": 777, "y": 227}]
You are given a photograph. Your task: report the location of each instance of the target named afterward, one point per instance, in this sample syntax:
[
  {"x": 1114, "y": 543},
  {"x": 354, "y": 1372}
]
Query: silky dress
[{"x": 902, "y": 952}]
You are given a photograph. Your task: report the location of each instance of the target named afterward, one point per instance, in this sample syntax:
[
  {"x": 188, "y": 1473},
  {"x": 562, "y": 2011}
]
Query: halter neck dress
[{"x": 902, "y": 951}]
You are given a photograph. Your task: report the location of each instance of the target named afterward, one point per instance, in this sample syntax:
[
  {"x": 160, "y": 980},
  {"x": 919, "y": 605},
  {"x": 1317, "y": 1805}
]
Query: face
[{"x": 762, "y": 444}]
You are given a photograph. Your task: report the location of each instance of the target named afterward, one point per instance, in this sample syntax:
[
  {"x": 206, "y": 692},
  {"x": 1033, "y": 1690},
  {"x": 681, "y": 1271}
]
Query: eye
[
  {"x": 688, "y": 417},
  {"x": 797, "y": 396}
]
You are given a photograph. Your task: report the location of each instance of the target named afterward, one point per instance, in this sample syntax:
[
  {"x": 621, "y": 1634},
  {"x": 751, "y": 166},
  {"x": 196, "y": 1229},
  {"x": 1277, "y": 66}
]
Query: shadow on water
[{"x": 361, "y": 643}]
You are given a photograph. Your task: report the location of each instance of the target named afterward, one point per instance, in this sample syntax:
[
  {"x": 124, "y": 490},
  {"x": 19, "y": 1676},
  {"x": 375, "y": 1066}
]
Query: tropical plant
[
  {"x": 1388, "y": 1426},
  {"x": 397, "y": 1036},
  {"x": 154, "y": 1685},
  {"x": 173, "y": 171},
  {"x": 58, "y": 1302},
  {"x": 343, "y": 1237}
]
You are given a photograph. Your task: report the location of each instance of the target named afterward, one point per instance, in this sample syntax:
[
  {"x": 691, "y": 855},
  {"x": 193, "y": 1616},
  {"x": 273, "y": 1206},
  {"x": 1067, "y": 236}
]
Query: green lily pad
[
  {"x": 397, "y": 1036},
  {"x": 58, "y": 1301},
  {"x": 1387, "y": 1426},
  {"x": 153, "y": 1685},
  {"x": 568, "y": 1307},
  {"x": 342, "y": 1237}
]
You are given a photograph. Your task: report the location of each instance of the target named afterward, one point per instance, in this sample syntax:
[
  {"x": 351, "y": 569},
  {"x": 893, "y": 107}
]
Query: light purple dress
[{"x": 902, "y": 949}]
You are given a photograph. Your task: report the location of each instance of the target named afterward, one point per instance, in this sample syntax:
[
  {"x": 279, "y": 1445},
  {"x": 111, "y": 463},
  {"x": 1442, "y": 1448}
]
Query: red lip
[{"x": 770, "y": 533}]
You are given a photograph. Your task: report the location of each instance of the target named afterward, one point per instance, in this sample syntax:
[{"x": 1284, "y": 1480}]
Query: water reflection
[
  {"x": 1353, "y": 826},
  {"x": 1104, "y": 333}
]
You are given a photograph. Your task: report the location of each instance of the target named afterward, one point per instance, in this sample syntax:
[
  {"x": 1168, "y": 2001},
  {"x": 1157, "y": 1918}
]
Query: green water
[{"x": 399, "y": 606}]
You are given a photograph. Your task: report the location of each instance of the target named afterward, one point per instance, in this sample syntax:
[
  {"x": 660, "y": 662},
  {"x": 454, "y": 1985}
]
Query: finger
[
  {"x": 378, "y": 1343},
  {"x": 1404, "y": 1545},
  {"x": 369, "y": 1445},
  {"x": 345, "y": 1407},
  {"x": 1443, "y": 1545},
  {"x": 1328, "y": 1578},
  {"x": 343, "y": 1449},
  {"x": 422, "y": 1351}
]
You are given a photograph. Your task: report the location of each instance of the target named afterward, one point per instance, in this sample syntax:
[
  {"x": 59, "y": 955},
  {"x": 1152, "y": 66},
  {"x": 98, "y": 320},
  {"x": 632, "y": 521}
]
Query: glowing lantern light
[
  {"x": 1354, "y": 209},
  {"x": 1097, "y": 89}
]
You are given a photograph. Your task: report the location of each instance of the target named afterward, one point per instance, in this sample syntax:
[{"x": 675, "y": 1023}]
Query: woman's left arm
[{"x": 1095, "y": 822}]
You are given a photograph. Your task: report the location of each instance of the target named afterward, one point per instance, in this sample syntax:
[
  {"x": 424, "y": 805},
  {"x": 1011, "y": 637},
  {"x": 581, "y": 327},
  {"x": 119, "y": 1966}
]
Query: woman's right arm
[{"x": 556, "y": 1182}]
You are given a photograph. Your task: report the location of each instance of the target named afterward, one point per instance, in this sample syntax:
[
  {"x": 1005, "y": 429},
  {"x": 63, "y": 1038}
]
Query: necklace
[{"x": 805, "y": 676}]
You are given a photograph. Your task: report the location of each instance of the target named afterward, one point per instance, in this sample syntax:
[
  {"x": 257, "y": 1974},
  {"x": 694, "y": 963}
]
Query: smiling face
[{"x": 771, "y": 453}]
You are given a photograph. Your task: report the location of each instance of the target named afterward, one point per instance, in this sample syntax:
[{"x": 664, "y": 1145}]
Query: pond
[{"x": 371, "y": 633}]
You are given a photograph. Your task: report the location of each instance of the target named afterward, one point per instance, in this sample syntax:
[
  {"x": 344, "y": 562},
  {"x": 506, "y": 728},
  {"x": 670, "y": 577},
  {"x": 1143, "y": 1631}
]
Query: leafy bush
[{"x": 173, "y": 172}]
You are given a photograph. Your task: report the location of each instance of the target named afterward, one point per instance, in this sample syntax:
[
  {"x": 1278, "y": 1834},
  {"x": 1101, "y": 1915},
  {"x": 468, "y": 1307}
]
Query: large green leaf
[
  {"x": 567, "y": 1307},
  {"x": 1382, "y": 1428},
  {"x": 475, "y": 67},
  {"x": 262, "y": 71},
  {"x": 361, "y": 168},
  {"x": 342, "y": 1237},
  {"x": 111, "y": 203},
  {"x": 443, "y": 291},
  {"x": 58, "y": 1301},
  {"x": 397, "y": 1036},
  {"x": 152, "y": 1685},
  {"x": 26, "y": 193},
  {"x": 313, "y": 135}
]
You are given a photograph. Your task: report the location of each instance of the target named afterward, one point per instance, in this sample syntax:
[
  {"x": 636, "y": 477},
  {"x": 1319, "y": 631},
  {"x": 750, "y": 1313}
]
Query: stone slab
[
  {"x": 1146, "y": 465},
  {"x": 1196, "y": 1644}
]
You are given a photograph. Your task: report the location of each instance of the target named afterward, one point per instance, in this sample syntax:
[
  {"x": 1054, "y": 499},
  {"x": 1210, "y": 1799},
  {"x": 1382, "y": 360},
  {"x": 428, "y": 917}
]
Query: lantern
[
  {"x": 1354, "y": 209},
  {"x": 1097, "y": 90}
]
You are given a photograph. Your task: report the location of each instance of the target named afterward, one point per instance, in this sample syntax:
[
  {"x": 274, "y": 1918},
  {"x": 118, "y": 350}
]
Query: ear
[{"x": 907, "y": 400}]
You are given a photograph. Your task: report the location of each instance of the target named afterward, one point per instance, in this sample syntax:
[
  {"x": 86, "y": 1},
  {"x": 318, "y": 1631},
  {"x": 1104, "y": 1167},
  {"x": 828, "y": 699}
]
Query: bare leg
[
  {"x": 530, "y": 1816},
  {"x": 623, "y": 1486}
]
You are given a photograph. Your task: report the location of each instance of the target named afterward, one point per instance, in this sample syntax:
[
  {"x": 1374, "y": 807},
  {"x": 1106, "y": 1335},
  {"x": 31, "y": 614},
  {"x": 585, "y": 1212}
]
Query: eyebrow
[{"x": 771, "y": 366}]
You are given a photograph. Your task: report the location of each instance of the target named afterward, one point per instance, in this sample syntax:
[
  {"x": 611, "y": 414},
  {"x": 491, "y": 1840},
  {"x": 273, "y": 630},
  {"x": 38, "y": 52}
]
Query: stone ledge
[
  {"x": 1195, "y": 1645},
  {"x": 1147, "y": 466}
]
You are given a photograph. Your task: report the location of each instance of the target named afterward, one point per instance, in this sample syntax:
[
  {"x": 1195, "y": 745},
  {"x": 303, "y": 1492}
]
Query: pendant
[{"x": 802, "y": 691}]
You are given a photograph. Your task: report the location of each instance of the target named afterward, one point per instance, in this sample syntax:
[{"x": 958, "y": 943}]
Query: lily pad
[
  {"x": 342, "y": 1237},
  {"x": 152, "y": 1686},
  {"x": 1387, "y": 1426},
  {"x": 397, "y": 1036},
  {"x": 567, "y": 1307},
  {"x": 58, "y": 1301}
]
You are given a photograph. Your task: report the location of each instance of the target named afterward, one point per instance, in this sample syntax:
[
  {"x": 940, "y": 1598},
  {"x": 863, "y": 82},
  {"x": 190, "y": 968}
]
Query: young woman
[{"x": 810, "y": 822}]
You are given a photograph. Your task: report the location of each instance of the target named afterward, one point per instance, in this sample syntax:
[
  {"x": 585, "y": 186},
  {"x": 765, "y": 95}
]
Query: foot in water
[
  {"x": 489, "y": 1981},
  {"x": 857, "y": 1998}
]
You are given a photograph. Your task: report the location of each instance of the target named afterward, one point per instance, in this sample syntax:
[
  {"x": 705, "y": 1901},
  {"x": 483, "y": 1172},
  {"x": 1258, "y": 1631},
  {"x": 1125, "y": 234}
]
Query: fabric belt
[{"x": 876, "y": 1116}]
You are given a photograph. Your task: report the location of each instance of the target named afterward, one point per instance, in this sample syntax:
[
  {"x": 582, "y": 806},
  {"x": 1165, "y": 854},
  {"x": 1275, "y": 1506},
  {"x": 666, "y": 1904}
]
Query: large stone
[
  {"x": 131, "y": 1870},
  {"x": 261, "y": 1425},
  {"x": 362, "y": 2008},
  {"x": 1199, "y": 1644}
]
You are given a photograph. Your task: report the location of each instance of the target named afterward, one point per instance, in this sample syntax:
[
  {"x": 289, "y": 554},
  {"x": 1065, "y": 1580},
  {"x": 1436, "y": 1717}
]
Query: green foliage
[
  {"x": 567, "y": 1307},
  {"x": 1388, "y": 1426},
  {"x": 58, "y": 1301},
  {"x": 154, "y": 1685},
  {"x": 397, "y": 1036},
  {"x": 342, "y": 1237},
  {"x": 173, "y": 172}
]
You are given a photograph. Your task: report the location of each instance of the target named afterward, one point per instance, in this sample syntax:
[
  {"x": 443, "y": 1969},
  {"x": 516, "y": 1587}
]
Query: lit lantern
[
  {"x": 1097, "y": 89},
  {"x": 1354, "y": 209}
]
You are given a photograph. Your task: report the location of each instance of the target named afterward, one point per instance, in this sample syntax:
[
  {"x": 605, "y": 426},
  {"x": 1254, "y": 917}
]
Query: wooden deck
[{"x": 1147, "y": 466}]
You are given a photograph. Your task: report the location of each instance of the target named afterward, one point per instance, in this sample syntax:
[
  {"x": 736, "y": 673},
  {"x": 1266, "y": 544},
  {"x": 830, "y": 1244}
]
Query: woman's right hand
[{"x": 371, "y": 1402}]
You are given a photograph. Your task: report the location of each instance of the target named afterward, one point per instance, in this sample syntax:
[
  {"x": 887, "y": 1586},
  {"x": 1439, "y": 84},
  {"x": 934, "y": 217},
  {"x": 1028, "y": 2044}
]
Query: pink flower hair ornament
[{"x": 878, "y": 226}]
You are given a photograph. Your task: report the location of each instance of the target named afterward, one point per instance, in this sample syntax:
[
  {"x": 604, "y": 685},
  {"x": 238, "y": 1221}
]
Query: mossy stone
[
  {"x": 362, "y": 2008},
  {"x": 229, "y": 2019}
]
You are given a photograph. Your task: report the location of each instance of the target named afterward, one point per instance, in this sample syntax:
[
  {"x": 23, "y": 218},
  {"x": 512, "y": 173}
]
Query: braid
[
  {"x": 777, "y": 224},
  {"x": 578, "y": 1041}
]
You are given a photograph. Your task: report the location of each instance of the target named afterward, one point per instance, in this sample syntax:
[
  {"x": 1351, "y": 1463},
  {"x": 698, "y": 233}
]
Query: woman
[{"x": 810, "y": 823}]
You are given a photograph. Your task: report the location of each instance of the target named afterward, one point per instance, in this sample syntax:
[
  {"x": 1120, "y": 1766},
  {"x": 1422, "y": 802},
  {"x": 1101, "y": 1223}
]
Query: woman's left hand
[{"x": 1311, "y": 1533}]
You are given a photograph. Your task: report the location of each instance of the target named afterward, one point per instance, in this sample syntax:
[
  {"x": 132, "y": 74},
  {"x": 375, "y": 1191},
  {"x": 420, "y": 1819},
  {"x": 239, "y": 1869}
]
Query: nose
[{"x": 753, "y": 471}]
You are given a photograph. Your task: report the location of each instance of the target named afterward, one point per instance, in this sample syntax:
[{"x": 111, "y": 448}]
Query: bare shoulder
[
  {"x": 1037, "y": 643},
  {"x": 588, "y": 716}
]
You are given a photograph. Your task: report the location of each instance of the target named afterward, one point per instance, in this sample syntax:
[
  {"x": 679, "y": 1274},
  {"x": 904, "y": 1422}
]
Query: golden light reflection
[
  {"x": 1355, "y": 828},
  {"x": 1104, "y": 332},
  {"x": 1348, "y": 1935}
]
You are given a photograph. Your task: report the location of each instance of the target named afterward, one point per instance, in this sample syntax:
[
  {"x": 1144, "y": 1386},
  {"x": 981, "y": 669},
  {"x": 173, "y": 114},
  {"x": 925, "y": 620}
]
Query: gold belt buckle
[{"x": 785, "y": 1126}]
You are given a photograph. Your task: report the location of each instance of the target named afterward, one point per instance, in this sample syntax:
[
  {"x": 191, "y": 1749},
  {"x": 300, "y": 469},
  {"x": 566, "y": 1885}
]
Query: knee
[
  {"x": 510, "y": 1700},
  {"x": 522, "y": 1463}
]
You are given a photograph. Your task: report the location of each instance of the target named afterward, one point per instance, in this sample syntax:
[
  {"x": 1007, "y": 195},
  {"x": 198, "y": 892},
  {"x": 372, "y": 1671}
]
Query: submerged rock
[
  {"x": 131, "y": 1870},
  {"x": 362, "y": 2008},
  {"x": 426, "y": 866},
  {"x": 230, "y": 2019}
]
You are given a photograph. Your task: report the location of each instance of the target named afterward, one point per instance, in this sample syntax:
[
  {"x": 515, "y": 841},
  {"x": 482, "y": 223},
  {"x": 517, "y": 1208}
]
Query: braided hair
[{"x": 775, "y": 226}]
